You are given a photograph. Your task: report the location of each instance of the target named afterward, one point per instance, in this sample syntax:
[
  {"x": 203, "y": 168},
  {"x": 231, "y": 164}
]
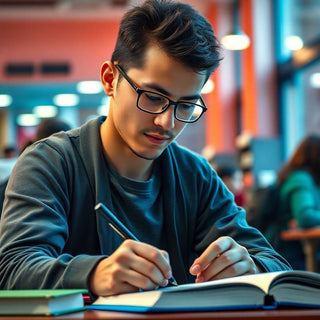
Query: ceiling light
[
  {"x": 315, "y": 80},
  {"x": 5, "y": 100},
  {"x": 66, "y": 100},
  {"x": 45, "y": 111},
  {"x": 208, "y": 87},
  {"x": 103, "y": 109},
  {"x": 105, "y": 100},
  {"x": 236, "y": 40},
  {"x": 27, "y": 120},
  {"x": 89, "y": 87},
  {"x": 294, "y": 43}
]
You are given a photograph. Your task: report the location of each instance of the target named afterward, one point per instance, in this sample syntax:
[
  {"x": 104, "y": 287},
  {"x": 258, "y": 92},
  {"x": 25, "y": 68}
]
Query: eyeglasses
[{"x": 156, "y": 103}]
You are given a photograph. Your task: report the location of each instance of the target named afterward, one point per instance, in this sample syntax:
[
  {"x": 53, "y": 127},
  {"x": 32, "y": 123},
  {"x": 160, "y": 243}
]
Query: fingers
[
  {"x": 132, "y": 266},
  {"x": 214, "y": 250},
  {"x": 151, "y": 268},
  {"x": 223, "y": 258},
  {"x": 153, "y": 260}
]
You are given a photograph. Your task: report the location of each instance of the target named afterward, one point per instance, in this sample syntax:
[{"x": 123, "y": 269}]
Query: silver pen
[{"x": 120, "y": 228}]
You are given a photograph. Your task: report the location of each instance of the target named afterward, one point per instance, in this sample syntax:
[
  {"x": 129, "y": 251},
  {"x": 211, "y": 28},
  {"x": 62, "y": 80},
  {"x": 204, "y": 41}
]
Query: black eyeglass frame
[{"x": 171, "y": 102}]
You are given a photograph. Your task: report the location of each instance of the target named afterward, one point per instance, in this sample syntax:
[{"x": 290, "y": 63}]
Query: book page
[
  {"x": 261, "y": 280},
  {"x": 149, "y": 298}
]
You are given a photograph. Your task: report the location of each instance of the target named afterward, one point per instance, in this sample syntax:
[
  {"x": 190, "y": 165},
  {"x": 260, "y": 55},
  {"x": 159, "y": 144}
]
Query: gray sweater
[{"x": 51, "y": 237}]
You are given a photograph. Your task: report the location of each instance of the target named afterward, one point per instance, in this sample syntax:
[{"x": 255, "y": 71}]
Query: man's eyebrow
[{"x": 152, "y": 86}]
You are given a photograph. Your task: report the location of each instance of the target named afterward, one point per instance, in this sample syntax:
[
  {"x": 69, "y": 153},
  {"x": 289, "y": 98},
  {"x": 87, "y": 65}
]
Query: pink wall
[{"x": 84, "y": 44}]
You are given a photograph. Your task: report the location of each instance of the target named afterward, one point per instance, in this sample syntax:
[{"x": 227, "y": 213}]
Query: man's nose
[{"x": 166, "y": 119}]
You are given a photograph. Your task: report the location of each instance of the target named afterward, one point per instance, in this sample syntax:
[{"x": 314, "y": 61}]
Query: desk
[
  {"x": 309, "y": 238},
  {"x": 292, "y": 314}
]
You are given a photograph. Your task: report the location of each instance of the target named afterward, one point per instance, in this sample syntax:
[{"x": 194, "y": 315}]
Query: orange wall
[
  {"x": 258, "y": 78},
  {"x": 221, "y": 116},
  {"x": 214, "y": 131},
  {"x": 249, "y": 99}
]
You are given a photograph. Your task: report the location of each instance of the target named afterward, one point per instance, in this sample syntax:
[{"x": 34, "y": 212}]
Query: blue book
[{"x": 259, "y": 291}]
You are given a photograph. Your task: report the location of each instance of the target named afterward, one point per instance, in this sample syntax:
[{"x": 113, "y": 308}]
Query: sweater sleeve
[
  {"x": 34, "y": 226},
  {"x": 209, "y": 206}
]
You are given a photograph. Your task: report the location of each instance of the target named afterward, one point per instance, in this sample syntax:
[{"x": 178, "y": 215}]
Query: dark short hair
[{"x": 176, "y": 27}]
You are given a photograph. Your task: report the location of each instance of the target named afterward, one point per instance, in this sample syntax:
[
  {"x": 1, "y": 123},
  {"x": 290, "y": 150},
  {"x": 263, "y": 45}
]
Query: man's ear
[{"x": 107, "y": 77}]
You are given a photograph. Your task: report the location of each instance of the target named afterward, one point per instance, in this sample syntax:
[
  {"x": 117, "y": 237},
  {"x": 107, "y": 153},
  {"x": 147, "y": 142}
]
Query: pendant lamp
[{"x": 236, "y": 39}]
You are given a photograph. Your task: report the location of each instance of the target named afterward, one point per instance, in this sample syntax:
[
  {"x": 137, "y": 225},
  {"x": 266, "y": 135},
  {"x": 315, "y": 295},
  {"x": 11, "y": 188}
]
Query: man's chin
[{"x": 148, "y": 155}]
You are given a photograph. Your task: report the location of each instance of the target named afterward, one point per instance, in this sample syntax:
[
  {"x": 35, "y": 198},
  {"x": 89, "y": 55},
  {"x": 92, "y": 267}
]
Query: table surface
[
  {"x": 292, "y": 314},
  {"x": 301, "y": 234}
]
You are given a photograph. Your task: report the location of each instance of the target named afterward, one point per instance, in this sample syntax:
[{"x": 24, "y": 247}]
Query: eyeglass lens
[{"x": 154, "y": 103}]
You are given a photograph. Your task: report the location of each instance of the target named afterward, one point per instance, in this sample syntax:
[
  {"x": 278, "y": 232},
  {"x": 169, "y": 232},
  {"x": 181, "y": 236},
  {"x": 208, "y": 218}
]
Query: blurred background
[{"x": 261, "y": 102}]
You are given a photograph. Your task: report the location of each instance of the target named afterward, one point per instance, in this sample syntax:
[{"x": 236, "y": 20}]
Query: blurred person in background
[
  {"x": 10, "y": 152},
  {"x": 46, "y": 128},
  {"x": 299, "y": 198},
  {"x": 7, "y": 161},
  {"x": 209, "y": 153},
  {"x": 49, "y": 126},
  {"x": 8, "y": 158},
  {"x": 233, "y": 179}
]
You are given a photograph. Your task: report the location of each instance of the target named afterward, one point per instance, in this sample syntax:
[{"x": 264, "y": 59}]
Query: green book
[{"x": 41, "y": 302}]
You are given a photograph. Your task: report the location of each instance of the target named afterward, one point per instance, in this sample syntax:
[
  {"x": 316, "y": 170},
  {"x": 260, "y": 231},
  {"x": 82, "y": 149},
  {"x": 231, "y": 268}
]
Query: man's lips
[{"x": 156, "y": 139}]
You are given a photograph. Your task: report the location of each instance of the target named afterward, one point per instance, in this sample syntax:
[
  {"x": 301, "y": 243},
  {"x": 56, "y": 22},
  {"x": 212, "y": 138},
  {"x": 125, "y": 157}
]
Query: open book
[{"x": 264, "y": 290}]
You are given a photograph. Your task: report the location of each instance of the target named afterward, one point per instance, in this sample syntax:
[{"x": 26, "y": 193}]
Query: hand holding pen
[{"x": 144, "y": 253}]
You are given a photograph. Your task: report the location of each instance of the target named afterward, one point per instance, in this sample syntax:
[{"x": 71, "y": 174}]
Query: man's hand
[
  {"x": 223, "y": 258},
  {"x": 132, "y": 266}
]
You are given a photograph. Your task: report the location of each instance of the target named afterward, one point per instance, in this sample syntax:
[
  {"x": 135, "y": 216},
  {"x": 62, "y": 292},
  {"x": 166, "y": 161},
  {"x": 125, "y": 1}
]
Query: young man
[{"x": 169, "y": 197}]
